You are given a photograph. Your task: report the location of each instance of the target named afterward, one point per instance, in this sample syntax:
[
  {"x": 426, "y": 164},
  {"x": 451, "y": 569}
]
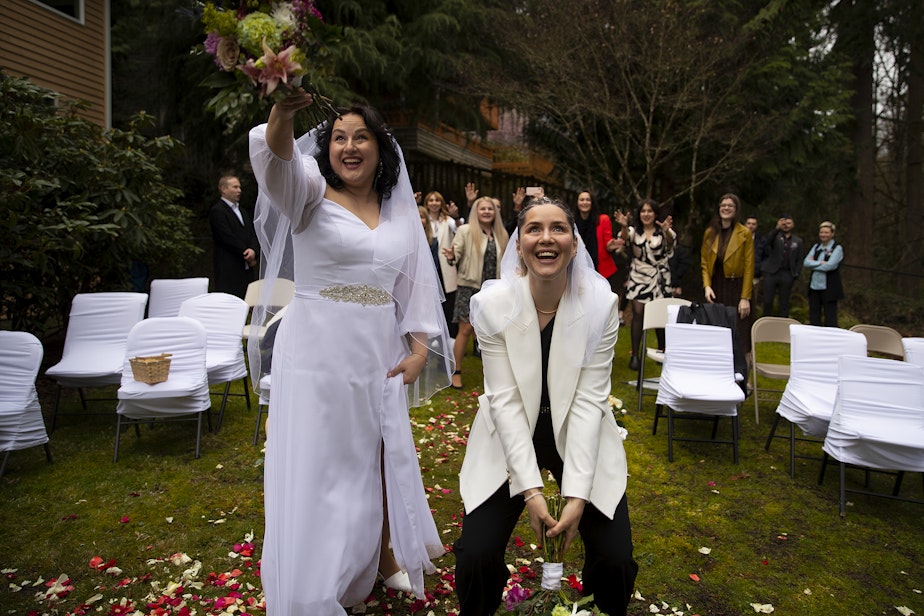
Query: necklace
[{"x": 546, "y": 311}]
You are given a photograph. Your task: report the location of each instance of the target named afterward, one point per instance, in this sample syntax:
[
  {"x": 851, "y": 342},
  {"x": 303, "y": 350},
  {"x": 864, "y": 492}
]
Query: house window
[{"x": 71, "y": 8}]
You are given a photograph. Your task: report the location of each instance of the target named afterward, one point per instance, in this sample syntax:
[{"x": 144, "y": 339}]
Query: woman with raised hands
[{"x": 651, "y": 242}]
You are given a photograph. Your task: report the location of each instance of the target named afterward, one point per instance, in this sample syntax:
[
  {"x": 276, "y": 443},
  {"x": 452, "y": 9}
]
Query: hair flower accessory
[{"x": 263, "y": 50}]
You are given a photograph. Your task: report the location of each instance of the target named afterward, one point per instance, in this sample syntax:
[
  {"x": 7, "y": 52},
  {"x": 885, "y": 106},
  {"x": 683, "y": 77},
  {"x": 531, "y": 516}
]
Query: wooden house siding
[{"x": 58, "y": 52}]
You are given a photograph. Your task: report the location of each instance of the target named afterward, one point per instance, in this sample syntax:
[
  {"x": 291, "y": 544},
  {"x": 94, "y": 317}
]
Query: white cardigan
[{"x": 586, "y": 434}]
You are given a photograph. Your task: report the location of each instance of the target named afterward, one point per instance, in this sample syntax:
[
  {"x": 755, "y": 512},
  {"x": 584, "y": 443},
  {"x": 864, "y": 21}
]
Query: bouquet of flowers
[{"x": 262, "y": 50}]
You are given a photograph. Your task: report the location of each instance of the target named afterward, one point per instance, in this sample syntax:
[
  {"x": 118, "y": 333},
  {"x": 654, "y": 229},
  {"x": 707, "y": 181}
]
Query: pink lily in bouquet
[{"x": 272, "y": 68}]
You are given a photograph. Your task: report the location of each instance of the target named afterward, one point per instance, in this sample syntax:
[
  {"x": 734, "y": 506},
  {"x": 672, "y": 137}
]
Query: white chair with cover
[
  {"x": 655, "y": 317},
  {"x": 698, "y": 378},
  {"x": 280, "y": 295},
  {"x": 881, "y": 340},
  {"x": 808, "y": 399},
  {"x": 768, "y": 330},
  {"x": 914, "y": 350},
  {"x": 184, "y": 396},
  {"x": 878, "y": 421},
  {"x": 168, "y": 293},
  {"x": 94, "y": 346},
  {"x": 265, "y": 383},
  {"x": 222, "y": 315},
  {"x": 21, "y": 422}
]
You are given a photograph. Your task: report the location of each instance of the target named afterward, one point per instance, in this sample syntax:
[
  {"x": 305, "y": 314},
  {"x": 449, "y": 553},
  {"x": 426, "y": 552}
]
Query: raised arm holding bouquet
[{"x": 263, "y": 51}]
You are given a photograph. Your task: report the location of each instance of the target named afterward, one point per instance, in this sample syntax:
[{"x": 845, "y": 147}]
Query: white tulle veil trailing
[
  {"x": 418, "y": 294},
  {"x": 586, "y": 288}
]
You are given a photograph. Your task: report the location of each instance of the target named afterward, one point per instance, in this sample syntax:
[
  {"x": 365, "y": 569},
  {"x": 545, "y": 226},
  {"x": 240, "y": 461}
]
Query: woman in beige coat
[{"x": 476, "y": 252}]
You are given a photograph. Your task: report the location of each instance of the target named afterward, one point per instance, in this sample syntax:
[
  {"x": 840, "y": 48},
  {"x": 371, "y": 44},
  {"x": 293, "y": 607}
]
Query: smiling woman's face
[
  {"x": 486, "y": 211},
  {"x": 647, "y": 215},
  {"x": 546, "y": 242},
  {"x": 727, "y": 209},
  {"x": 354, "y": 151},
  {"x": 585, "y": 203}
]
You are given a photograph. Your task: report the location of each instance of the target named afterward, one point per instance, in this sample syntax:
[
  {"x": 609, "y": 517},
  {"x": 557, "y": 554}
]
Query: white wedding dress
[{"x": 332, "y": 408}]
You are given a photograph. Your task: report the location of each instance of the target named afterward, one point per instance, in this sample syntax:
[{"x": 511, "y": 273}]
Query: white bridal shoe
[{"x": 398, "y": 581}]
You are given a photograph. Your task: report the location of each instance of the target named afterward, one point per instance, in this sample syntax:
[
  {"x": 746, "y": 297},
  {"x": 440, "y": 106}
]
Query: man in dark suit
[
  {"x": 235, "y": 242},
  {"x": 781, "y": 265}
]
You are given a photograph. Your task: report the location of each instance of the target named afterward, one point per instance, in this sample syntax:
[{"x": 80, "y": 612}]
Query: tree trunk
[
  {"x": 914, "y": 187},
  {"x": 857, "y": 212}
]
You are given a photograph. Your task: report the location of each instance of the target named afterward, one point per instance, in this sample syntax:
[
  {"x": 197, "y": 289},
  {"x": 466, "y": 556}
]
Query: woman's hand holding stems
[{"x": 540, "y": 518}]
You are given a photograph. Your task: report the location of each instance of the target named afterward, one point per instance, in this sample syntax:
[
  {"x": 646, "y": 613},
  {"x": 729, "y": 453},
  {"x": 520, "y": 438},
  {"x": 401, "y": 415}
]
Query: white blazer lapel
[
  {"x": 565, "y": 358},
  {"x": 524, "y": 346}
]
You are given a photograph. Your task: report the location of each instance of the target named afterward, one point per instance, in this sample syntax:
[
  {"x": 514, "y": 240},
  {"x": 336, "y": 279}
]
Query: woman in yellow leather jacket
[{"x": 727, "y": 259}]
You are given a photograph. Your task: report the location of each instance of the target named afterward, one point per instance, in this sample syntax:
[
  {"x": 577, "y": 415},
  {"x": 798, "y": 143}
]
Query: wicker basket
[{"x": 152, "y": 369}]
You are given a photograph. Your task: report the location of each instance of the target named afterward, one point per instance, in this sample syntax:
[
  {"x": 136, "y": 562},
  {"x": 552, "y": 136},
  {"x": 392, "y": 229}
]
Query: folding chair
[
  {"x": 698, "y": 380},
  {"x": 94, "y": 346},
  {"x": 265, "y": 382},
  {"x": 184, "y": 396},
  {"x": 21, "y": 422},
  {"x": 168, "y": 293},
  {"x": 914, "y": 350},
  {"x": 655, "y": 317},
  {"x": 222, "y": 315},
  {"x": 279, "y": 296},
  {"x": 808, "y": 399},
  {"x": 878, "y": 421},
  {"x": 882, "y": 340},
  {"x": 767, "y": 330}
]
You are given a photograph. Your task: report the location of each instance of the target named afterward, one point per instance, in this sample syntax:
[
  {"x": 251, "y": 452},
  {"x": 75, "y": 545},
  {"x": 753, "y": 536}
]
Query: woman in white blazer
[{"x": 547, "y": 331}]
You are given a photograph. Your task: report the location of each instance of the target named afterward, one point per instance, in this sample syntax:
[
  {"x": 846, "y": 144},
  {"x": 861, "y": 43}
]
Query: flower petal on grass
[
  {"x": 762, "y": 608},
  {"x": 904, "y": 610},
  {"x": 705, "y": 550}
]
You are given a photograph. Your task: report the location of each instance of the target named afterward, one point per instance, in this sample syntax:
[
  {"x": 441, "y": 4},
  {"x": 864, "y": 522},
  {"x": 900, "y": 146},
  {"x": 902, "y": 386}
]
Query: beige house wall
[{"x": 70, "y": 56}]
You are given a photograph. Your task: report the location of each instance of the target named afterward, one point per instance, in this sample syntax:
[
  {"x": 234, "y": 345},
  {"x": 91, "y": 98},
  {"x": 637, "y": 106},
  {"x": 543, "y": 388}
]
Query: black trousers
[
  {"x": 481, "y": 571},
  {"x": 779, "y": 281},
  {"x": 816, "y": 301}
]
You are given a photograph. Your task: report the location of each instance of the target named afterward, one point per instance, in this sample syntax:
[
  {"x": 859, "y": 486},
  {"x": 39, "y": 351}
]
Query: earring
[{"x": 378, "y": 173}]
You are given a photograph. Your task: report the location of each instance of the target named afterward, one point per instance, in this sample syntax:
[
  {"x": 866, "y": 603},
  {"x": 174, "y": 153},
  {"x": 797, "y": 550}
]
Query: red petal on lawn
[
  {"x": 518, "y": 542},
  {"x": 694, "y": 577},
  {"x": 125, "y": 520},
  {"x": 70, "y": 516},
  {"x": 96, "y": 562}
]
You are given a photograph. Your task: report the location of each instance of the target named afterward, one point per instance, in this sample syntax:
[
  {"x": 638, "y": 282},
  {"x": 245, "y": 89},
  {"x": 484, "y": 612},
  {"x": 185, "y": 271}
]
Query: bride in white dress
[{"x": 365, "y": 323}]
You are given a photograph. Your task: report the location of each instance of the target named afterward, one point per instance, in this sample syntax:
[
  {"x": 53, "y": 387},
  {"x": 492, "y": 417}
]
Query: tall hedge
[{"x": 80, "y": 206}]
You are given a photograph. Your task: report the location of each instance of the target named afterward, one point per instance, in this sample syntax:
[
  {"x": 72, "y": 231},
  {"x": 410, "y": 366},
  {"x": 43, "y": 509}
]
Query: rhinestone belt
[{"x": 356, "y": 294}]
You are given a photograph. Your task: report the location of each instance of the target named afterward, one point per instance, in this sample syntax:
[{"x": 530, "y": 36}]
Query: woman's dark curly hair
[{"x": 389, "y": 160}]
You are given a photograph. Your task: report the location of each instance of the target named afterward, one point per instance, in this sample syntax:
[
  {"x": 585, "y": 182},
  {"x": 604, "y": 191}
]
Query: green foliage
[
  {"x": 405, "y": 57},
  {"x": 81, "y": 204}
]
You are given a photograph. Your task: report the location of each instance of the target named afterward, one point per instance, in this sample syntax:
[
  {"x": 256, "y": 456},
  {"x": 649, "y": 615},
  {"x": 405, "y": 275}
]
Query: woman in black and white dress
[{"x": 651, "y": 242}]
